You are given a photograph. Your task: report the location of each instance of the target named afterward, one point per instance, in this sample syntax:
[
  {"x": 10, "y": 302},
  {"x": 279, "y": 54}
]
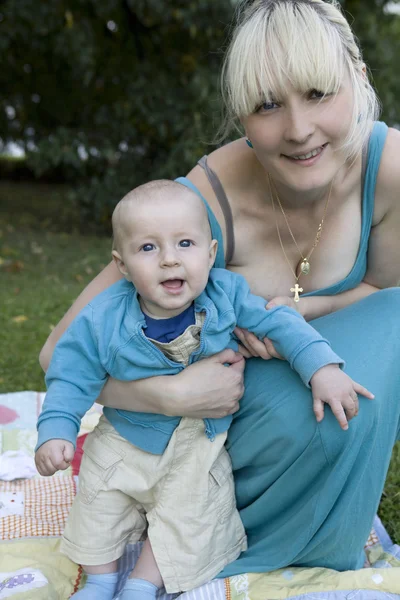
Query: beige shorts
[{"x": 185, "y": 497}]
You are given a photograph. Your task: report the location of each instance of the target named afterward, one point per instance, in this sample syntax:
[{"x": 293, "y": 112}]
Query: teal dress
[{"x": 308, "y": 492}]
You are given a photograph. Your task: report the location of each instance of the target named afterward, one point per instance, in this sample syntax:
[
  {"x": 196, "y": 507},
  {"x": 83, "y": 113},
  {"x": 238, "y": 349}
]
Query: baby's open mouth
[{"x": 173, "y": 284}]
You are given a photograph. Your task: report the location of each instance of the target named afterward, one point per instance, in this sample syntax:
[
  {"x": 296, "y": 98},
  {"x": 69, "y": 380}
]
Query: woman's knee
[
  {"x": 386, "y": 302},
  {"x": 387, "y": 299},
  {"x": 380, "y": 313}
]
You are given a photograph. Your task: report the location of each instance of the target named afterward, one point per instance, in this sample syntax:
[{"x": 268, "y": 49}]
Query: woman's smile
[{"x": 306, "y": 159}]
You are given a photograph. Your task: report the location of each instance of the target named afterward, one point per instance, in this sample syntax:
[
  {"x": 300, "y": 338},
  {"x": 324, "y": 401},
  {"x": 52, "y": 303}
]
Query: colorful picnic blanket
[{"x": 33, "y": 514}]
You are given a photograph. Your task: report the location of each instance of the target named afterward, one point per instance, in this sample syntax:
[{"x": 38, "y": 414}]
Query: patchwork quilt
[{"x": 33, "y": 514}]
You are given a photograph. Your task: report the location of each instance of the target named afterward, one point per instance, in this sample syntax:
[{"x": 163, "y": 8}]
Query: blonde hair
[{"x": 307, "y": 43}]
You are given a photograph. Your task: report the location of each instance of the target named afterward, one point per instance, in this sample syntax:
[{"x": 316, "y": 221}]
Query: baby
[{"x": 171, "y": 476}]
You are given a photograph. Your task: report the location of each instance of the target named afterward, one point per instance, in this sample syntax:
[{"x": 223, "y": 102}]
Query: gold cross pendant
[{"x": 296, "y": 290}]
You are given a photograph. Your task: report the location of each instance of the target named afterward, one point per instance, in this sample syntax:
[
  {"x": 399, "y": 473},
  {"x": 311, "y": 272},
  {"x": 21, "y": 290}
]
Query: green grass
[{"x": 42, "y": 270}]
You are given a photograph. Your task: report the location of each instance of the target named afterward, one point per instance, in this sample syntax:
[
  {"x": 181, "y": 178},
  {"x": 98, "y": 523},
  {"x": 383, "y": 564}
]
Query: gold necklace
[{"x": 304, "y": 266}]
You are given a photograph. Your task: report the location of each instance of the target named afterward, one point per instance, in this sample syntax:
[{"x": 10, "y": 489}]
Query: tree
[
  {"x": 378, "y": 30},
  {"x": 112, "y": 92}
]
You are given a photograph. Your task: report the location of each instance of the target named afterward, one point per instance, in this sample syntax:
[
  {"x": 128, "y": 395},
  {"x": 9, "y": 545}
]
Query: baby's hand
[
  {"x": 54, "y": 455},
  {"x": 332, "y": 386}
]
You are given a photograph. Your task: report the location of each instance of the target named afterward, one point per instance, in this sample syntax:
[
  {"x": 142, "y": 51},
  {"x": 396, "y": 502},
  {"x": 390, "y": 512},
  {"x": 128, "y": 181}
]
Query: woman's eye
[
  {"x": 147, "y": 247},
  {"x": 317, "y": 94},
  {"x": 185, "y": 243},
  {"x": 266, "y": 106}
]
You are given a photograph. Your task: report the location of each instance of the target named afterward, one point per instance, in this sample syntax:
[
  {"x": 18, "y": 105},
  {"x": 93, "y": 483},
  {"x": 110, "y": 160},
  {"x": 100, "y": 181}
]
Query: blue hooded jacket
[{"x": 107, "y": 339}]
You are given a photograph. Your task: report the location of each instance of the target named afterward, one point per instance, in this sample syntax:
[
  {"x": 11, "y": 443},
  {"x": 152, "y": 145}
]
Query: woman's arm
[
  {"x": 312, "y": 307},
  {"x": 318, "y": 306},
  {"x": 206, "y": 388}
]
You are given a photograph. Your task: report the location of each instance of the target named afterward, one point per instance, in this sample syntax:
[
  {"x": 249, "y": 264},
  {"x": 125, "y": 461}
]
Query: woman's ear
[
  {"x": 120, "y": 264},
  {"x": 212, "y": 253},
  {"x": 364, "y": 71}
]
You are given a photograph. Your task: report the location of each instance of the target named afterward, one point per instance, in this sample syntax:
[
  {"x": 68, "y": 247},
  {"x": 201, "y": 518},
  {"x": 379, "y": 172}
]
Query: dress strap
[
  {"x": 364, "y": 162},
  {"x": 224, "y": 204},
  {"x": 214, "y": 225},
  {"x": 374, "y": 152}
]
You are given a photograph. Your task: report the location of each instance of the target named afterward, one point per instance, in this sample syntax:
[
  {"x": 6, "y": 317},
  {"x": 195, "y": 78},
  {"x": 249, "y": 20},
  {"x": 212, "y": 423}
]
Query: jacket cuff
[
  {"x": 313, "y": 357},
  {"x": 57, "y": 428}
]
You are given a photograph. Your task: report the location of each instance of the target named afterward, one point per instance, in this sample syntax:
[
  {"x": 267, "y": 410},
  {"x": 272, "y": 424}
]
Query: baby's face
[{"x": 167, "y": 253}]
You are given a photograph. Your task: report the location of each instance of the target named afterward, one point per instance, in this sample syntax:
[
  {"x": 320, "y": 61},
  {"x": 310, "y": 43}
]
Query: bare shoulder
[
  {"x": 231, "y": 164},
  {"x": 384, "y": 242},
  {"x": 388, "y": 183}
]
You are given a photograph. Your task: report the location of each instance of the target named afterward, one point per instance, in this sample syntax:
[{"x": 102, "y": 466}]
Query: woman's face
[{"x": 297, "y": 139}]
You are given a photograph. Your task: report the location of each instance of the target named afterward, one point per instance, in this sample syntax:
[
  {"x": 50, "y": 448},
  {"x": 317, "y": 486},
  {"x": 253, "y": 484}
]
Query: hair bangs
[{"x": 292, "y": 46}]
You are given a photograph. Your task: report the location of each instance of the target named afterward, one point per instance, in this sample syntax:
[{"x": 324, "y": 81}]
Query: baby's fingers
[
  {"x": 44, "y": 466},
  {"x": 340, "y": 415},
  {"x": 318, "y": 407},
  {"x": 356, "y": 405},
  {"x": 350, "y": 406},
  {"x": 359, "y": 389}
]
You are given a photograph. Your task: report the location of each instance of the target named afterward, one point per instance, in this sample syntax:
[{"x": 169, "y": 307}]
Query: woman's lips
[{"x": 307, "y": 162}]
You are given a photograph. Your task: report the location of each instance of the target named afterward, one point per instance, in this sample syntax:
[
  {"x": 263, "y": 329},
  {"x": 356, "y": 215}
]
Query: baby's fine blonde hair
[
  {"x": 161, "y": 189},
  {"x": 305, "y": 43}
]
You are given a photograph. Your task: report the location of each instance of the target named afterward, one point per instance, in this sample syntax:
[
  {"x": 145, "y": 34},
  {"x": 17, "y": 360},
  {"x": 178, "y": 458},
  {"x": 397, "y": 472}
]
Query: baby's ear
[
  {"x": 120, "y": 264},
  {"x": 212, "y": 252}
]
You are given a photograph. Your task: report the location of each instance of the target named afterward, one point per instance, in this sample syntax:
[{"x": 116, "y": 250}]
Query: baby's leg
[
  {"x": 101, "y": 582},
  {"x": 145, "y": 579},
  {"x": 104, "y": 514}
]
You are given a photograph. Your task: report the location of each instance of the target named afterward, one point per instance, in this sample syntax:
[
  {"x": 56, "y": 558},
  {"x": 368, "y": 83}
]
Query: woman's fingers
[
  {"x": 271, "y": 349},
  {"x": 254, "y": 347},
  {"x": 213, "y": 386},
  {"x": 250, "y": 342},
  {"x": 244, "y": 352},
  {"x": 226, "y": 356}
]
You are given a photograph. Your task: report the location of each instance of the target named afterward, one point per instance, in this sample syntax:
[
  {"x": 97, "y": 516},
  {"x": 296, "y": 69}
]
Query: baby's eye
[
  {"x": 185, "y": 243},
  {"x": 147, "y": 247}
]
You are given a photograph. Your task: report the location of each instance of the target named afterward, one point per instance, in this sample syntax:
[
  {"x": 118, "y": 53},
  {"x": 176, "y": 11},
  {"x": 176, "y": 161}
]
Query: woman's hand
[
  {"x": 285, "y": 301},
  {"x": 209, "y": 388},
  {"x": 251, "y": 345},
  {"x": 206, "y": 388}
]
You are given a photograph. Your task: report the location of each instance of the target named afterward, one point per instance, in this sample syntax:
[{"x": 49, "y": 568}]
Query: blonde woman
[{"x": 307, "y": 207}]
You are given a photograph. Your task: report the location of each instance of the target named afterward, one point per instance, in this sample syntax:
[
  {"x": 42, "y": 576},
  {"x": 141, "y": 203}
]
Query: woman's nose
[{"x": 299, "y": 125}]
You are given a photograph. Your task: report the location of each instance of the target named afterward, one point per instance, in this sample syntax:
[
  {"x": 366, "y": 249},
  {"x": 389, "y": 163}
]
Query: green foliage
[
  {"x": 107, "y": 94},
  {"x": 111, "y": 93},
  {"x": 379, "y": 34},
  {"x": 42, "y": 271}
]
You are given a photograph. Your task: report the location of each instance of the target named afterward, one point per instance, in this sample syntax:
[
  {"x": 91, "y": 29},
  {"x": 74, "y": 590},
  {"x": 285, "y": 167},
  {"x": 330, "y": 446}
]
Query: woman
[{"x": 301, "y": 200}]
